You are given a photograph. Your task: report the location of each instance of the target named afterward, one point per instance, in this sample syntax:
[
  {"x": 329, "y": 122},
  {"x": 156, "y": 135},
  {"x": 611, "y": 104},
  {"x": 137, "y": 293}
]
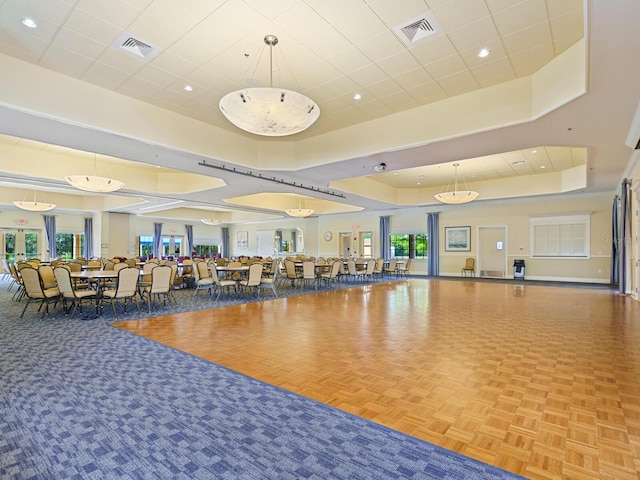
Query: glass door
[{"x": 20, "y": 244}]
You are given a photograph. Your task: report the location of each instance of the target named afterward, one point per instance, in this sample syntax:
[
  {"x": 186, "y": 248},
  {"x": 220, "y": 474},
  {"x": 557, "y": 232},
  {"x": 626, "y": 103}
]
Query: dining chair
[
  {"x": 309, "y": 274},
  {"x": 270, "y": 282},
  {"x": 469, "y": 267},
  {"x": 404, "y": 270},
  {"x": 46, "y": 276},
  {"x": 126, "y": 289},
  {"x": 69, "y": 293},
  {"x": 378, "y": 269},
  {"x": 291, "y": 272},
  {"x": 352, "y": 270},
  {"x": 254, "y": 279},
  {"x": 368, "y": 273},
  {"x": 202, "y": 279},
  {"x": 391, "y": 269},
  {"x": 221, "y": 285},
  {"x": 331, "y": 277},
  {"x": 34, "y": 291},
  {"x": 160, "y": 285}
]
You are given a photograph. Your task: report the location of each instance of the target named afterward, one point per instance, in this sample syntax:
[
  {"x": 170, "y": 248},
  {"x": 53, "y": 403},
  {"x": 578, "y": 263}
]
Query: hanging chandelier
[
  {"x": 299, "y": 212},
  {"x": 455, "y": 196},
  {"x": 94, "y": 183},
  {"x": 211, "y": 221},
  {"x": 269, "y": 111},
  {"x": 35, "y": 206}
]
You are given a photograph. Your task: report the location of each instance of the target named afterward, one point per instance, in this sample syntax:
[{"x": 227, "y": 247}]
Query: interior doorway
[
  {"x": 346, "y": 245},
  {"x": 20, "y": 244},
  {"x": 492, "y": 251}
]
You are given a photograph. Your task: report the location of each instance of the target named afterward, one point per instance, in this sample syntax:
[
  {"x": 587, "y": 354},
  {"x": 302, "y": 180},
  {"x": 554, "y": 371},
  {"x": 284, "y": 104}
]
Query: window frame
[{"x": 559, "y": 230}]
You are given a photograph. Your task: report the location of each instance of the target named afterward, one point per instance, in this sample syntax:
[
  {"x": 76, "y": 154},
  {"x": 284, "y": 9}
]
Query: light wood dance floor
[{"x": 541, "y": 381}]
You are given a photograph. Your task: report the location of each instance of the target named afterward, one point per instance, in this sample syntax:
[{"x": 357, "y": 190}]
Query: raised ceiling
[{"x": 407, "y": 117}]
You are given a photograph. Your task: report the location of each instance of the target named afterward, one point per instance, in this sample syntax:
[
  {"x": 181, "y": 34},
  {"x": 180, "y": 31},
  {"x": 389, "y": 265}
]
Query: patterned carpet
[{"x": 80, "y": 399}]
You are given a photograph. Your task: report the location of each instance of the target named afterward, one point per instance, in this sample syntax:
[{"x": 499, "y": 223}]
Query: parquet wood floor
[{"x": 541, "y": 381}]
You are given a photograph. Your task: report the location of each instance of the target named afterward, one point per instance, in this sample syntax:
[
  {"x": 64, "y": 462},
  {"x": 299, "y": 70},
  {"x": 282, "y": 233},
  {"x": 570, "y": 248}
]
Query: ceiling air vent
[
  {"x": 136, "y": 47},
  {"x": 418, "y": 29}
]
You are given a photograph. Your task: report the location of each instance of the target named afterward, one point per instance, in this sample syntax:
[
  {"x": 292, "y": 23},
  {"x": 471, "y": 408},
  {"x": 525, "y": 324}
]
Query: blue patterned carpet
[{"x": 80, "y": 399}]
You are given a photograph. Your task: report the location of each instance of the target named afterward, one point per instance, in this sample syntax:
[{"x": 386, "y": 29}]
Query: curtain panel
[
  {"x": 433, "y": 242},
  {"x": 385, "y": 240},
  {"x": 87, "y": 248},
  {"x": 50, "y": 229}
]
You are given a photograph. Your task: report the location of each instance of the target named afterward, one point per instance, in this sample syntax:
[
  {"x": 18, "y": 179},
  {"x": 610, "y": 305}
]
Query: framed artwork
[
  {"x": 243, "y": 239},
  {"x": 457, "y": 239}
]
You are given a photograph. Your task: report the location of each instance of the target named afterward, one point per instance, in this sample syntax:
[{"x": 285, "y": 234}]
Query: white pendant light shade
[
  {"x": 455, "y": 196},
  {"x": 211, "y": 221},
  {"x": 299, "y": 212},
  {"x": 269, "y": 111},
  {"x": 91, "y": 183},
  {"x": 34, "y": 206}
]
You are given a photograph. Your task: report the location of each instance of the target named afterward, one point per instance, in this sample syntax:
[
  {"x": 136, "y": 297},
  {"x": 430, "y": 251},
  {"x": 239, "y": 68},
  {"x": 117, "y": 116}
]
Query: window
[
  {"x": 69, "y": 245},
  {"x": 560, "y": 236},
  {"x": 367, "y": 244},
  {"x": 146, "y": 245},
  {"x": 408, "y": 245},
  {"x": 203, "y": 250}
]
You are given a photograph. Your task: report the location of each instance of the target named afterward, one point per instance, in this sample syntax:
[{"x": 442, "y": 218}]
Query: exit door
[{"x": 492, "y": 258}]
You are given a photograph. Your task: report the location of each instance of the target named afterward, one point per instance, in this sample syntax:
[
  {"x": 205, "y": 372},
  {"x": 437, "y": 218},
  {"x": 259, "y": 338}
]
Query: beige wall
[{"x": 514, "y": 215}]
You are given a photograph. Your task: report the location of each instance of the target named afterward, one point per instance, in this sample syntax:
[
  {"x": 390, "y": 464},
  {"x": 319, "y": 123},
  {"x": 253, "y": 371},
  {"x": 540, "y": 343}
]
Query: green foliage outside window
[{"x": 409, "y": 245}]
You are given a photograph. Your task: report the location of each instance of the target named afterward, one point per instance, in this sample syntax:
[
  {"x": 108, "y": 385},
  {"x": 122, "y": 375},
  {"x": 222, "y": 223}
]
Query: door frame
[{"x": 505, "y": 249}]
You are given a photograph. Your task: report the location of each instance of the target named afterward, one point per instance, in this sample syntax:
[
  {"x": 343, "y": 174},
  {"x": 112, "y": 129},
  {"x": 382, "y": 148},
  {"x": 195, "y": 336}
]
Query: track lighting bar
[{"x": 281, "y": 181}]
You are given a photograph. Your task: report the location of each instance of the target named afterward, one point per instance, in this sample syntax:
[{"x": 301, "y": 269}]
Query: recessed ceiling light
[
  {"x": 543, "y": 166},
  {"x": 357, "y": 96},
  {"x": 485, "y": 52},
  {"x": 188, "y": 88},
  {"x": 420, "y": 176},
  {"x": 28, "y": 22},
  {"x": 534, "y": 151},
  {"x": 418, "y": 183},
  {"x": 518, "y": 162}
]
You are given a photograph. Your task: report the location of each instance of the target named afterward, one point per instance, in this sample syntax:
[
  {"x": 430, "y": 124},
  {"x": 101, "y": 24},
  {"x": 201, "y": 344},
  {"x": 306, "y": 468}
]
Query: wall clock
[{"x": 327, "y": 236}]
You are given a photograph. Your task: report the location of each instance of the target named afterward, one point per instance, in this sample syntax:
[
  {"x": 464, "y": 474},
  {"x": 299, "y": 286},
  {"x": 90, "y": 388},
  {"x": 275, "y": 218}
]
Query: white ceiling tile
[
  {"x": 381, "y": 46},
  {"x": 520, "y": 16},
  {"x": 498, "y": 5},
  {"x": 105, "y": 75},
  {"x": 59, "y": 59},
  {"x": 474, "y": 35},
  {"x": 527, "y": 38},
  {"x": 53, "y": 12},
  {"x": 374, "y": 108},
  {"x": 368, "y": 75},
  {"x": 394, "y": 13},
  {"x": 272, "y": 8},
  {"x": 458, "y": 83},
  {"x": 399, "y": 63},
  {"x": 561, "y": 44},
  {"x": 358, "y": 25},
  {"x": 399, "y": 101},
  {"x": 341, "y": 86},
  {"x": 568, "y": 24},
  {"x": 151, "y": 73},
  {"x": 494, "y": 72},
  {"x": 413, "y": 78},
  {"x": 556, "y": 8},
  {"x": 140, "y": 88},
  {"x": 529, "y": 61},
  {"x": 116, "y": 12},
  {"x": 153, "y": 31},
  {"x": 171, "y": 63},
  {"x": 121, "y": 60},
  {"x": 427, "y": 92},
  {"x": 80, "y": 44},
  {"x": 29, "y": 46},
  {"x": 445, "y": 67},
  {"x": 471, "y": 59},
  {"x": 349, "y": 60},
  {"x": 385, "y": 87},
  {"x": 90, "y": 26},
  {"x": 433, "y": 50},
  {"x": 459, "y": 13}
]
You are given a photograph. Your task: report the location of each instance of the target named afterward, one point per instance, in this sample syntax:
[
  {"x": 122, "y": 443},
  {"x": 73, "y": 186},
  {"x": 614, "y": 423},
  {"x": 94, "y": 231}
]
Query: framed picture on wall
[
  {"x": 243, "y": 239},
  {"x": 457, "y": 239}
]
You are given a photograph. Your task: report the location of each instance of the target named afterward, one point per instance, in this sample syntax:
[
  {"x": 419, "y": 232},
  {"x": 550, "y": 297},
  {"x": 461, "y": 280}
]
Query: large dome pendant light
[{"x": 269, "y": 111}]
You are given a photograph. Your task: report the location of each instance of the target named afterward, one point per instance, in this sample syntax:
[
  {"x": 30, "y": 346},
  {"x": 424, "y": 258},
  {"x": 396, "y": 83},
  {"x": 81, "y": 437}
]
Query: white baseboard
[{"x": 542, "y": 279}]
